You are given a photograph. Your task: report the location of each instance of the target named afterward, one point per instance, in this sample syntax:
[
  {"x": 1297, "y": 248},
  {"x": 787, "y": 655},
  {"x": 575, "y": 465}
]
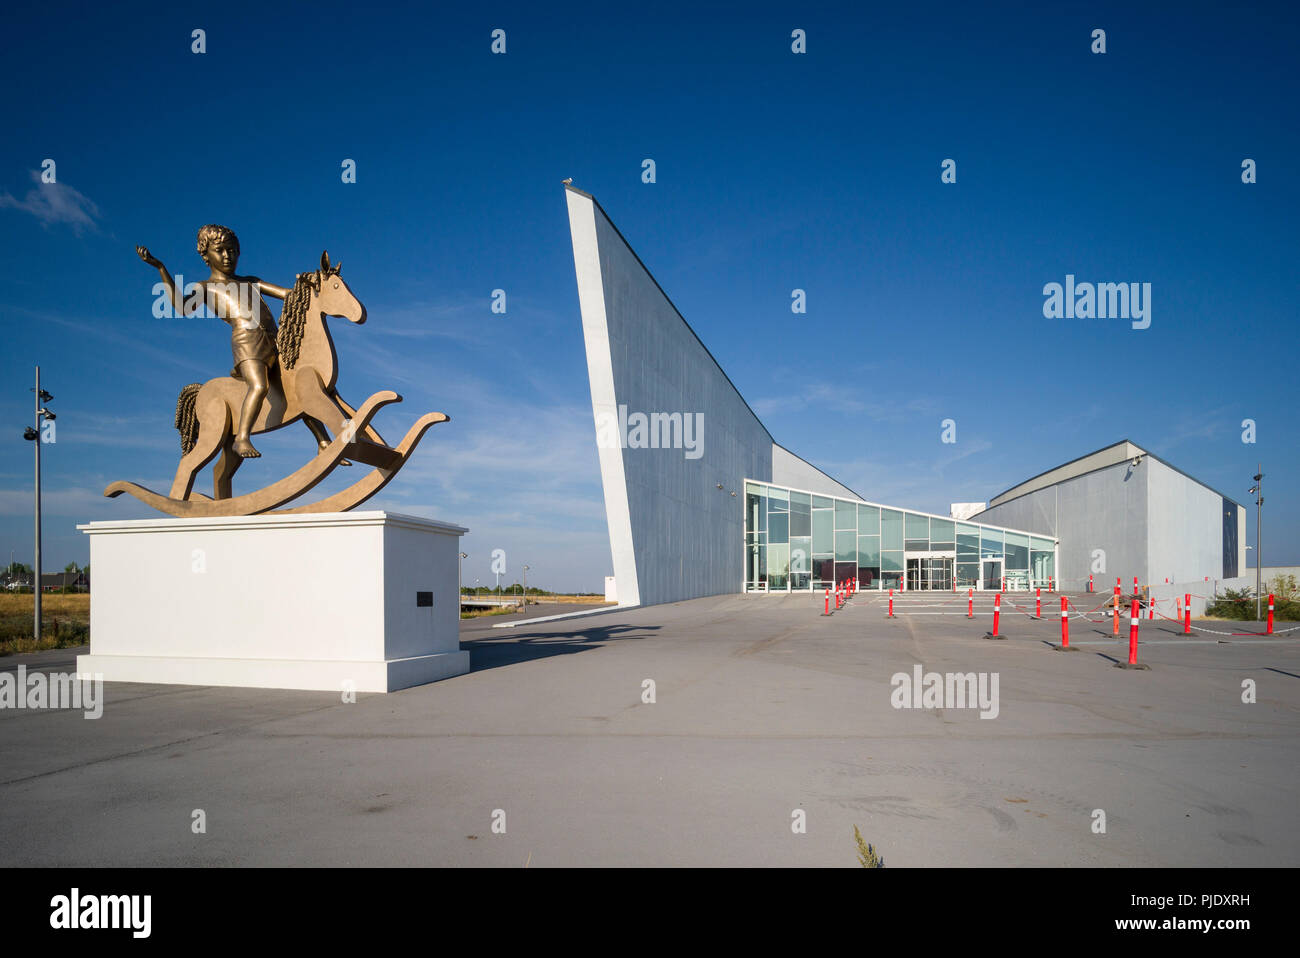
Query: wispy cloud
[
  {"x": 846, "y": 399},
  {"x": 54, "y": 204}
]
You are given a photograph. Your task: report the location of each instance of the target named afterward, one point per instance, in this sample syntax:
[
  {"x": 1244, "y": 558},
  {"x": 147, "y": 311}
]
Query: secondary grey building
[
  {"x": 1122, "y": 511},
  {"x": 701, "y": 500}
]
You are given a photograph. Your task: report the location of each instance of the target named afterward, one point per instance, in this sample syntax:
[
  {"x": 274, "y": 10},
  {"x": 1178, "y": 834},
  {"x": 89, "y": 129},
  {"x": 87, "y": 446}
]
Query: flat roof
[{"x": 915, "y": 512}]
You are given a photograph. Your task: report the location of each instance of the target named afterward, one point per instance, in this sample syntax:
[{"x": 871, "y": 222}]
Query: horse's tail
[{"x": 187, "y": 424}]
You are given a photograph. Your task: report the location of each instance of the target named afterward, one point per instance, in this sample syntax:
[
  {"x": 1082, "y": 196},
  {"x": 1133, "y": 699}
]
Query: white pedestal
[{"x": 344, "y": 600}]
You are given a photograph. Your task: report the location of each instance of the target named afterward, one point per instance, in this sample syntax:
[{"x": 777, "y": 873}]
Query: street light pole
[
  {"x": 33, "y": 434},
  {"x": 1258, "y": 489},
  {"x": 36, "y": 580},
  {"x": 460, "y": 577},
  {"x": 525, "y": 597}
]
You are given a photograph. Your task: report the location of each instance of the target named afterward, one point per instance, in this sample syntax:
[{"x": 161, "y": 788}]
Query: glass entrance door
[
  {"x": 992, "y": 575},
  {"x": 929, "y": 573}
]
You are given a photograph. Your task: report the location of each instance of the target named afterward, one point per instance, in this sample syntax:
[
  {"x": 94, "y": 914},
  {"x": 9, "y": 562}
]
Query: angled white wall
[{"x": 674, "y": 533}]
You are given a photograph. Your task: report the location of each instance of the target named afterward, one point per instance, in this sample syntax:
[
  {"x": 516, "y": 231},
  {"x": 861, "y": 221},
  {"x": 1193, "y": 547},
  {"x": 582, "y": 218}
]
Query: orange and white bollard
[
  {"x": 1187, "y": 614},
  {"x": 1038, "y": 603},
  {"x": 970, "y": 603},
  {"x": 1135, "y": 585},
  {"x": 1133, "y": 635},
  {"x": 997, "y": 611},
  {"x": 1065, "y": 623},
  {"x": 828, "y": 603},
  {"x": 1151, "y": 608},
  {"x": 1050, "y": 586},
  {"x": 1270, "y": 614},
  {"x": 1115, "y": 630},
  {"x": 1090, "y": 588},
  {"x": 891, "y": 603}
]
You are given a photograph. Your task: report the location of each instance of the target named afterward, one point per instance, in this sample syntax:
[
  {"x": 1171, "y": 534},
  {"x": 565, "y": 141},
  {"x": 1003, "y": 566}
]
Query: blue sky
[{"x": 774, "y": 171}]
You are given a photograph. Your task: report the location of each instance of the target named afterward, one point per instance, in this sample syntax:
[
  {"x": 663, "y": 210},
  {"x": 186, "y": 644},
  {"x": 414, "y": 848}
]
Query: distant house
[{"x": 54, "y": 581}]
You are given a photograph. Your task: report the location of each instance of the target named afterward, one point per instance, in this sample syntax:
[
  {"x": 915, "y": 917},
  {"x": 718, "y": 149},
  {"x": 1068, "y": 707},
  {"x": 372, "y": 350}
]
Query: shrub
[{"x": 1240, "y": 603}]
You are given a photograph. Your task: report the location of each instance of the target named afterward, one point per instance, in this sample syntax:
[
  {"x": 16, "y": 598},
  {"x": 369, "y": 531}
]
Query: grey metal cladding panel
[
  {"x": 790, "y": 470},
  {"x": 1110, "y": 455},
  {"x": 1186, "y": 527},
  {"x": 687, "y": 534},
  {"x": 1032, "y": 512},
  {"x": 1105, "y": 510}
]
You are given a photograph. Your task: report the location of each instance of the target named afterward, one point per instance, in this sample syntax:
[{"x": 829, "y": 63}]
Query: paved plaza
[{"x": 763, "y": 708}]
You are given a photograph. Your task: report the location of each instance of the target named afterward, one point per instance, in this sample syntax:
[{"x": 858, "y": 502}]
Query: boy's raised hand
[{"x": 144, "y": 254}]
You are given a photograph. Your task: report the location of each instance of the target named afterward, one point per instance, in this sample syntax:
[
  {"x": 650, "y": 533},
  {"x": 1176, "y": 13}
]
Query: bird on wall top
[{"x": 568, "y": 181}]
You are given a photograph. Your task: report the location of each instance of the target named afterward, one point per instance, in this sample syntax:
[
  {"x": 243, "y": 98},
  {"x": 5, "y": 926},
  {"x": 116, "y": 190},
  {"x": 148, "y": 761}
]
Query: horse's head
[{"x": 336, "y": 297}]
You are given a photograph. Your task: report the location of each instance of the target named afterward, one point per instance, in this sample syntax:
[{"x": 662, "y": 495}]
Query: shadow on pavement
[{"x": 491, "y": 652}]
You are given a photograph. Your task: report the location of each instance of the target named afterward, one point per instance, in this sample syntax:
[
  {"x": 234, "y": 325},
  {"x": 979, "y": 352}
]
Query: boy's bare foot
[{"x": 245, "y": 448}]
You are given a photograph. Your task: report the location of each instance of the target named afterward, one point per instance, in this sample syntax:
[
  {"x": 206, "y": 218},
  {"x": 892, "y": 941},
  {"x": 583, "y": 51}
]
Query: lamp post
[
  {"x": 1258, "y": 491},
  {"x": 525, "y": 596},
  {"x": 34, "y": 435},
  {"x": 460, "y": 577}
]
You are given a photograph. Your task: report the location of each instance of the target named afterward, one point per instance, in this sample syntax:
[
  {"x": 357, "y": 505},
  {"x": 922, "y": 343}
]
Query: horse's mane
[
  {"x": 293, "y": 318},
  {"x": 293, "y": 321}
]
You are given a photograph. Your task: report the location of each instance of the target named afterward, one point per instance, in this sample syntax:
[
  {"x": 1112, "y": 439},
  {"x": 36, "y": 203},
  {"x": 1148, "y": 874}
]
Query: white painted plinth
[{"x": 325, "y": 602}]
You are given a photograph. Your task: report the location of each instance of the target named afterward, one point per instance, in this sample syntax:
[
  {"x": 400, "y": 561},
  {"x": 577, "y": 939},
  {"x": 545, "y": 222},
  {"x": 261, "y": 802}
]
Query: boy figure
[{"x": 237, "y": 300}]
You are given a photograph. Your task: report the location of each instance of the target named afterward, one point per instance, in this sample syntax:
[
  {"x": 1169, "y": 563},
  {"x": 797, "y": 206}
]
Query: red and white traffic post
[
  {"x": 997, "y": 611},
  {"x": 1187, "y": 614},
  {"x": 1038, "y": 603},
  {"x": 970, "y": 603},
  {"x": 1065, "y": 623},
  {"x": 1133, "y": 635},
  {"x": 891, "y": 603},
  {"x": 1270, "y": 614}
]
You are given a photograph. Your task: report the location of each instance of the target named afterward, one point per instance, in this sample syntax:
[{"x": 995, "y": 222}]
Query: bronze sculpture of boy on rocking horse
[{"x": 279, "y": 376}]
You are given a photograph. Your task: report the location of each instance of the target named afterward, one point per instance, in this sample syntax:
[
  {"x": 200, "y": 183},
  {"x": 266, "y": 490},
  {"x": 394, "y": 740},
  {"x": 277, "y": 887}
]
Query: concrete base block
[{"x": 358, "y": 601}]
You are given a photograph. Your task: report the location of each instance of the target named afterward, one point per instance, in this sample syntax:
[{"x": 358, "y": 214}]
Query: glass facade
[{"x": 796, "y": 541}]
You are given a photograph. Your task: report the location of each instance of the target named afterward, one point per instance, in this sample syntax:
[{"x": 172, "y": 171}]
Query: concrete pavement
[{"x": 763, "y": 708}]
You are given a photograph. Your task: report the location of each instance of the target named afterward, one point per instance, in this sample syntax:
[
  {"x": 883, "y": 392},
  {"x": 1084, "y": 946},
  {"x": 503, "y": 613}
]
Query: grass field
[
  {"x": 65, "y": 622},
  {"x": 532, "y": 600}
]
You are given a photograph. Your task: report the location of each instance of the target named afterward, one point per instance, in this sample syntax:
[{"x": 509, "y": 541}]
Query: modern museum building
[{"x": 741, "y": 513}]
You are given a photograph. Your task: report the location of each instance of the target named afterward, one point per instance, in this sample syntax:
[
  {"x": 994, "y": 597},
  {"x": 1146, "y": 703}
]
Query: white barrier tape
[{"x": 1197, "y": 628}]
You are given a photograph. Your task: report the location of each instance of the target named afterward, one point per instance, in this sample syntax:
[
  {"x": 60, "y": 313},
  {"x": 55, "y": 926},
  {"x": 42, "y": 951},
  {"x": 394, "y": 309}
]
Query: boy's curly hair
[{"x": 212, "y": 232}]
